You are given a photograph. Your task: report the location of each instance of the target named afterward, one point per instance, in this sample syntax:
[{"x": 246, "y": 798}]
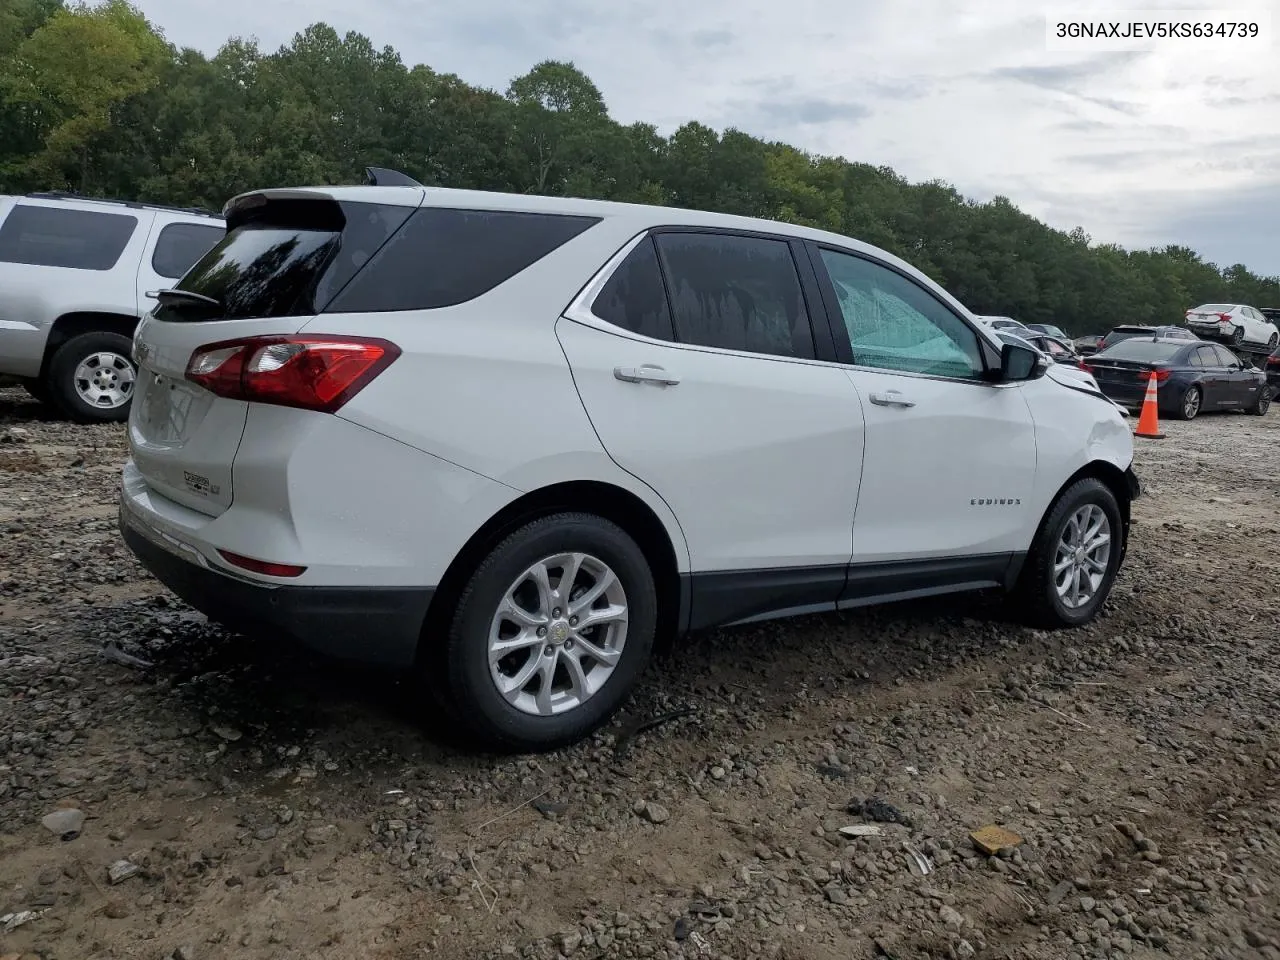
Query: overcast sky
[{"x": 1141, "y": 149}]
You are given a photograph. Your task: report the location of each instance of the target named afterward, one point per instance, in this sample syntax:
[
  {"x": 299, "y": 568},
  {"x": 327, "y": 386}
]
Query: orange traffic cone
[{"x": 1149, "y": 419}]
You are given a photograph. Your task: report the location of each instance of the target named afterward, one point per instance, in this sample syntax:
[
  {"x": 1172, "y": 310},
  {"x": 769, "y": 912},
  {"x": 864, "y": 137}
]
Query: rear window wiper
[{"x": 184, "y": 296}]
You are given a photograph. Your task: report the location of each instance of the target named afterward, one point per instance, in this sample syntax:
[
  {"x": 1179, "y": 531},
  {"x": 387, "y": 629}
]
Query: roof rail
[
  {"x": 132, "y": 204},
  {"x": 382, "y": 177}
]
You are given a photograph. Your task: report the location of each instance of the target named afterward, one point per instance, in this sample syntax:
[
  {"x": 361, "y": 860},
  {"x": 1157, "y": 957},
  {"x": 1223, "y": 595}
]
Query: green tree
[{"x": 65, "y": 79}]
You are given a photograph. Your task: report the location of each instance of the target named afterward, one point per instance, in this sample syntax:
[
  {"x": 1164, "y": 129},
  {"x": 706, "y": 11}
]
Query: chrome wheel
[
  {"x": 558, "y": 634},
  {"x": 1191, "y": 403},
  {"x": 1083, "y": 554},
  {"x": 105, "y": 380}
]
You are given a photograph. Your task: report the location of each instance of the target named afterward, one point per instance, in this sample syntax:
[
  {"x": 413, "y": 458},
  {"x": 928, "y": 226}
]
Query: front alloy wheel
[
  {"x": 1083, "y": 556},
  {"x": 1072, "y": 564}
]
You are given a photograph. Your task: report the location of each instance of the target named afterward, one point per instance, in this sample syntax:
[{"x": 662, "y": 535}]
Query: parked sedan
[
  {"x": 1129, "y": 330},
  {"x": 1273, "y": 372},
  {"x": 1236, "y": 323},
  {"x": 1001, "y": 323},
  {"x": 1191, "y": 378},
  {"x": 1087, "y": 344},
  {"x": 1062, "y": 351},
  {"x": 1049, "y": 330}
]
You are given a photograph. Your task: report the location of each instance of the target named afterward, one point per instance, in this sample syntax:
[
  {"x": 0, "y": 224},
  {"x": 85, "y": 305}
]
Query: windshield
[
  {"x": 1144, "y": 351},
  {"x": 1212, "y": 308}
]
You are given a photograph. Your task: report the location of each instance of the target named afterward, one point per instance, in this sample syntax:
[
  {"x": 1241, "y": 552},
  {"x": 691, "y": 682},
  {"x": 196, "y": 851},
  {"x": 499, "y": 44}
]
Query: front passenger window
[{"x": 894, "y": 324}]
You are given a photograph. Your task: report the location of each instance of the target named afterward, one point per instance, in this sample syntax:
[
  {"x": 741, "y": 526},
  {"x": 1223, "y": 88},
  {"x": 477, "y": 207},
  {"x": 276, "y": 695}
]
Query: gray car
[{"x": 74, "y": 278}]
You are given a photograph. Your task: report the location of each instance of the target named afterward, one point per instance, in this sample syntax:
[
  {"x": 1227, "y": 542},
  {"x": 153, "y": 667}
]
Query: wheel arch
[
  {"x": 1109, "y": 475},
  {"x": 606, "y": 500},
  {"x": 73, "y": 324}
]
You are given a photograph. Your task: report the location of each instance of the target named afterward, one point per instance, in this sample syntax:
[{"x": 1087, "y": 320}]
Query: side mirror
[{"x": 1021, "y": 363}]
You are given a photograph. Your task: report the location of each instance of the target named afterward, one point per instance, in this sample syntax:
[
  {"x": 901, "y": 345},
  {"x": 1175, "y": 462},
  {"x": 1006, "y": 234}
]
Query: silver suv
[{"x": 74, "y": 278}]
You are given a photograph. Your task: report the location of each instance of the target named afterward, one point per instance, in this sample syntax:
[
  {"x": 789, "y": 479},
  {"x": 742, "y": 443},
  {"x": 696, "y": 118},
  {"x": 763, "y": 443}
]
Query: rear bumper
[{"x": 371, "y": 625}]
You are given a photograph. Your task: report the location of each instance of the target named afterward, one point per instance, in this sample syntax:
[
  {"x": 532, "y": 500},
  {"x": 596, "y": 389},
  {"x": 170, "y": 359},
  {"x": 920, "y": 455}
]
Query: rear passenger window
[
  {"x": 442, "y": 257},
  {"x": 634, "y": 298},
  {"x": 737, "y": 293},
  {"x": 59, "y": 237},
  {"x": 180, "y": 245}
]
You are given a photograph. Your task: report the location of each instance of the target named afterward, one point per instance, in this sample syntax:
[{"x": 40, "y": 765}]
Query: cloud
[
  {"x": 812, "y": 110},
  {"x": 964, "y": 92}
]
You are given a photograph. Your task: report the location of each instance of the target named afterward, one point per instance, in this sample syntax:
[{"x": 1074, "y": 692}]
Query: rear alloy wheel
[
  {"x": 1073, "y": 563},
  {"x": 91, "y": 377},
  {"x": 1237, "y": 336},
  {"x": 1189, "y": 408},
  {"x": 1263, "y": 403},
  {"x": 1273, "y": 341},
  {"x": 551, "y": 634}
]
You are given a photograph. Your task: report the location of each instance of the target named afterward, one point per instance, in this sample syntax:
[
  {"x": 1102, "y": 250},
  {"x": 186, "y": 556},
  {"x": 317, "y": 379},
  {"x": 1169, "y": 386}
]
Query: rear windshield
[
  {"x": 1124, "y": 333},
  {"x": 1146, "y": 351},
  {"x": 303, "y": 257},
  {"x": 1212, "y": 308}
]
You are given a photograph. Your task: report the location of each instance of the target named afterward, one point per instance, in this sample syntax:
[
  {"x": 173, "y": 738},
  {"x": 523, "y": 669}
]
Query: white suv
[
  {"x": 74, "y": 274},
  {"x": 511, "y": 440}
]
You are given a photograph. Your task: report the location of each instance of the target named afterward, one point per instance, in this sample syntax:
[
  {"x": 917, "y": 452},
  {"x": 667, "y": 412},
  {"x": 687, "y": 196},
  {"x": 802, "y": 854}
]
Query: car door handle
[
  {"x": 891, "y": 398},
  {"x": 646, "y": 373}
]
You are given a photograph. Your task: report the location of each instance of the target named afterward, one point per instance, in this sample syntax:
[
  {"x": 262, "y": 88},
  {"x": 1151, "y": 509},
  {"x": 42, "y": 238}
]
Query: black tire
[
  {"x": 1036, "y": 592},
  {"x": 1190, "y": 405},
  {"x": 470, "y": 693},
  {"x": 1263, "y": 403},
  {"x": 61, "y": 378},
  {"x": 1237, "y": 336},
  {"x": 1273, "y": 341},
  {"x": 37, "y": 390}
]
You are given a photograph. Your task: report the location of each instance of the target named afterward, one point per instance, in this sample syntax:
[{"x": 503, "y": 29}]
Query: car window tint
[
  {"x": 1199, "y": 357},
  {"x": 59, "y": 237},
  {"x": 181, "y": 245},
  {"x": 634, "y": 298},
  {"x": 1225, "y": 357},
  {"x": 442, "y": 257},
  {"x": 895, "y": 324},
  {"x": 737, "y": 293}
]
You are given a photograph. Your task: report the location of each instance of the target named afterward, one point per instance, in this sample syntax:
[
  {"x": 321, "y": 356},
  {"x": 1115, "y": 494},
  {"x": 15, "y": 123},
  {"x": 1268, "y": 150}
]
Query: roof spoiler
[{"x": 382, "y": 177}]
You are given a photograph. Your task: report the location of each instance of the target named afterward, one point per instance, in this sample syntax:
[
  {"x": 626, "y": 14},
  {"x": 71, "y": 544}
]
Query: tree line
[{"x": 94, "y": 100}]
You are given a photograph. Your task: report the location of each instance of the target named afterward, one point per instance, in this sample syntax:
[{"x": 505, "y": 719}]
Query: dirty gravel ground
[{"x": 269, "y": 805}]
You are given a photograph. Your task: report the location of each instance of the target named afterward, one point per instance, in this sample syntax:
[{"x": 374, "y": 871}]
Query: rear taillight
[
  {"x": 265, "y": 567},
  {"x": 1224, "y": 317},
  {"x": 1274, "y": 361},
  {"x": 1161, "y": 375},
  {"x": 309, "y": 372},
  {"x": 1085, "y": 367}
]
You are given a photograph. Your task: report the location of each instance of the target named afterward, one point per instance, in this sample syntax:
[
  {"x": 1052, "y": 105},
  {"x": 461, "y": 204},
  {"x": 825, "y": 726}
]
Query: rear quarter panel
[{"x": 485, "y": 385}]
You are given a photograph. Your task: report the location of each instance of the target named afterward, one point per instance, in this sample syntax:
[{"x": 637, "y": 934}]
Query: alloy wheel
[
  {"x": 105, "y": 380},
  {"x": 1082, "y": 556},
  {"x": 558, "y": 634}
]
